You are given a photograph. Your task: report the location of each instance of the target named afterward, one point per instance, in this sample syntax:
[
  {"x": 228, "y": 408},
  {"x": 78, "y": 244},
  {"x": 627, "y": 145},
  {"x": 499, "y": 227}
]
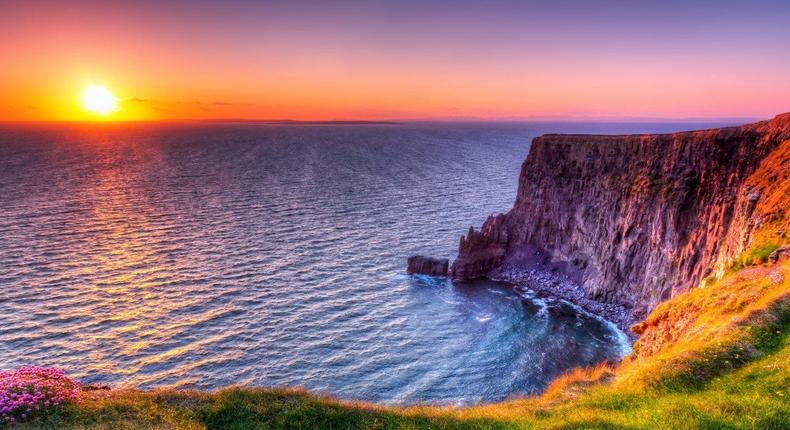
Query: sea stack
[{"x": 422, "y": 265}]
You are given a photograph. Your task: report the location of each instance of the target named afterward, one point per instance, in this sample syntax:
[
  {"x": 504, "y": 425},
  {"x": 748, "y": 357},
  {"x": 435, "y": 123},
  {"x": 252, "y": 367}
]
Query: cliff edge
[{"x": 633, "y": 220}]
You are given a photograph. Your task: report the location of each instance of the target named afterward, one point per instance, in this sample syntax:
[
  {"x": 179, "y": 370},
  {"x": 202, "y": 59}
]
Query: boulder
[
  {"x": 780, "y": 255},
  {"x": 427, "y": 265}
]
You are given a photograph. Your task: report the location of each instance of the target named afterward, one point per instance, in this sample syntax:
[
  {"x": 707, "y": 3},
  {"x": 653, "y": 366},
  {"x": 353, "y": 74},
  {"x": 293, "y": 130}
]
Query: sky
[{"x": 407, "y": 59}]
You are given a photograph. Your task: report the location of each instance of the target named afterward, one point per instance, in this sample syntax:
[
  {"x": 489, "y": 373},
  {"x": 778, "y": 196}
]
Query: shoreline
[{"x": 559, "y": 286}]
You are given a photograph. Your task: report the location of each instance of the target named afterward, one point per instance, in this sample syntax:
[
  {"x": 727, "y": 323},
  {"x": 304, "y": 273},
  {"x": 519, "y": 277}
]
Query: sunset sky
[{"x": 404, "y": 59}]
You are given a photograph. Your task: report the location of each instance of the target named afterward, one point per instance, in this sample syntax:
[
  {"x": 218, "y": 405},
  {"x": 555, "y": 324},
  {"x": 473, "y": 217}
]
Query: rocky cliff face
[{"x": 636, "y": 219}]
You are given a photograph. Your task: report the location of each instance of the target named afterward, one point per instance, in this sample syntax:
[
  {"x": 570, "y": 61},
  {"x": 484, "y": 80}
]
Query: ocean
[{"x": 204, "y": 255}]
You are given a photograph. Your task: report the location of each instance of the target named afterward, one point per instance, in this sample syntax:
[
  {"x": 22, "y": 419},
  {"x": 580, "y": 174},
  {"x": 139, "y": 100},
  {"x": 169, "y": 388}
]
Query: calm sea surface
[{"x": 201, "y": 256}]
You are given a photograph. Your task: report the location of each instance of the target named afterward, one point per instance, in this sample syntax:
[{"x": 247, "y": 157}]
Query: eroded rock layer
[{"x": 636, "y": 219}]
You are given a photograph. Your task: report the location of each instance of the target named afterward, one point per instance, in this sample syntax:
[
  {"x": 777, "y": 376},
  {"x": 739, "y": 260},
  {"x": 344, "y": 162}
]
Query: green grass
[
  {"x": 757, "y": 255},
  {"x": 765, "y": 336},
  {"x": 241, "y": 408}
]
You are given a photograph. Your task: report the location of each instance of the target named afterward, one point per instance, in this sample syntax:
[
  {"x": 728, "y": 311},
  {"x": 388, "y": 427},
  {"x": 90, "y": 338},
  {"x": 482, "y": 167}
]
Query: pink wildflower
[{"x": 30, "y": 389}]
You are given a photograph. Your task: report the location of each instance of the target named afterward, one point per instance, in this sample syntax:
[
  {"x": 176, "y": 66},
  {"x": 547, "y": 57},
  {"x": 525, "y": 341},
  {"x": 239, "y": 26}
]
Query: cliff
[{"x": 634, "y": 220}]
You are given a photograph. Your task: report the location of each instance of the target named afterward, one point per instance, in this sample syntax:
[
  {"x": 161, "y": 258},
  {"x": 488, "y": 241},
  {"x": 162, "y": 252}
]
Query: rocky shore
[
  {"x": 545, "y": 280},
  {"x": 558, "y": 285}
]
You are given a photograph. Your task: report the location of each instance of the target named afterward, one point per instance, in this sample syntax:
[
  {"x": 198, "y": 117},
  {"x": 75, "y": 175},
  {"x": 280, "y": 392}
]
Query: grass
[{"x": 756, "y": 255}]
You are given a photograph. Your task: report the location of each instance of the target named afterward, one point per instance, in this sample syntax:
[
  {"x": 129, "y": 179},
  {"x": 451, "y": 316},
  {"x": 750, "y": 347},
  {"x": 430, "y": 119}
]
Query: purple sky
[{"x": 376, "y": 59}]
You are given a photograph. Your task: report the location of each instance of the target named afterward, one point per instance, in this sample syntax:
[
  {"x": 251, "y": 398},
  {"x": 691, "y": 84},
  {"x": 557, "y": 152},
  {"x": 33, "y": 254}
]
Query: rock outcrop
[
  {"x": 780, "y": 255},
  {"x": 427, "y": 265},
  {"x": 637, "y": 219}
]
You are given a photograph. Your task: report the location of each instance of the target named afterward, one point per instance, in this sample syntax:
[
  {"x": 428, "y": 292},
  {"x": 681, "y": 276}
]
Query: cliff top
[{"x": 781, "y": 121}]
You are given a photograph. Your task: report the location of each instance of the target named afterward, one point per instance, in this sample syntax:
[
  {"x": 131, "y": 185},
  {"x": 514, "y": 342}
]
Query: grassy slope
[{"x": 716, "y": 357}]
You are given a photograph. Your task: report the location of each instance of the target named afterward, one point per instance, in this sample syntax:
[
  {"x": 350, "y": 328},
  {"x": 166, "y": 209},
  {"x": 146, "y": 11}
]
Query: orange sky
[{"x": 281, "y": 61}]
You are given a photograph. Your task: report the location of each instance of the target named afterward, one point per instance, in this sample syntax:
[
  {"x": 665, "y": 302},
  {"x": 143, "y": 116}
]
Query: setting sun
[{"x": 99, "y": 100}]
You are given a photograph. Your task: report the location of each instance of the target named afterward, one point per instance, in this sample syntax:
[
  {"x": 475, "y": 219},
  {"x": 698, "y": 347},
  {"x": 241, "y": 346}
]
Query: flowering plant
[{"x": 33, "y": 389}]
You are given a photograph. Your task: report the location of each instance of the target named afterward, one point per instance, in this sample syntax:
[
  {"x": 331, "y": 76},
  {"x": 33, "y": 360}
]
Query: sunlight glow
[{"x": 99, "y": 100}]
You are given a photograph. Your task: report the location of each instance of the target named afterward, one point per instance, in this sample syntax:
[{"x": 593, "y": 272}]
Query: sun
[{"x": 99, "y": 100}]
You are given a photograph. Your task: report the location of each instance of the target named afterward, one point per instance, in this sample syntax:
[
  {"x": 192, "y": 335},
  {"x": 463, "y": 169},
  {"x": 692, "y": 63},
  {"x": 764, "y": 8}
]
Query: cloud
[
  {"x": 232, "y": 104},
  {"x": 186, "y": 102}
]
